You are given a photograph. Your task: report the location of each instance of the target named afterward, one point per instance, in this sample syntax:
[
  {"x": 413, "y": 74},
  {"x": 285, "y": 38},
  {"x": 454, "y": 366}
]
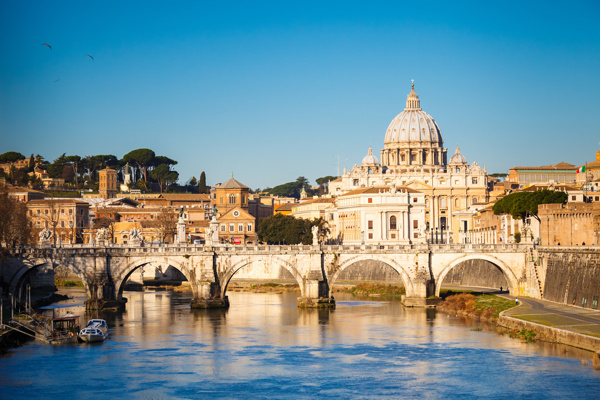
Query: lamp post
[{"x": 362, "y": 237}]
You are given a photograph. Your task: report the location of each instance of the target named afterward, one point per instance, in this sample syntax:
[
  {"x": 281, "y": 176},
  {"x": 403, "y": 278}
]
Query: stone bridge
[{"x": 104, "y": 270}]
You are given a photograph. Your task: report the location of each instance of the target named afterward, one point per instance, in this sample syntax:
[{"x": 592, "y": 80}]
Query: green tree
[
  {"x": 164, "y": 176},
  {"x": 74, "y": 162},
  {"x": 521, "y": 204},
  {"x": 55, "y": 170},
  {"x": 286, "y": 229},
  {"x": 202, "y": 184},
  {"x": 143, "y": 158},
  {"x": 11, "y": 157}
]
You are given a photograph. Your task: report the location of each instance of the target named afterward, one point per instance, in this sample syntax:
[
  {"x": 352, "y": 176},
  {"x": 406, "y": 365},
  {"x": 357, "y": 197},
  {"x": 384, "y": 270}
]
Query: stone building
[
  {"x": 66, "y": 218},
  {"x": 558, "y": 173},
  {"x": 414, "y": 157},
  {"x": 571, "y": 224},
  {"x": 381, "y": 215},
  {"x": 107, "y": 183},
  {"x": 591, "y": 174}
]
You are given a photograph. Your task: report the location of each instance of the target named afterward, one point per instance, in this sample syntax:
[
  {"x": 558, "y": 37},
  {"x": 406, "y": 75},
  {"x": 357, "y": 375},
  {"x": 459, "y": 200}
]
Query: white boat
[{"x": 96, "y": 330}]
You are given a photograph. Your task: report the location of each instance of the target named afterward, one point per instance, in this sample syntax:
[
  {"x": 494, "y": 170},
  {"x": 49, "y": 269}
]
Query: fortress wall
[
  {"x": 572, "y": 276},
  {"x": 480, "y": 273}
]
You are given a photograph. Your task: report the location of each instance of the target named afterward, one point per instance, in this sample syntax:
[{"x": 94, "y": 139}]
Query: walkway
[{"x": 584, "y": 321}]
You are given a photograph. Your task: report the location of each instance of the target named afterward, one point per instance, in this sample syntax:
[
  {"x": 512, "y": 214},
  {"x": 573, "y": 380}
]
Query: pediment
[{"x": 418, "y": 185}]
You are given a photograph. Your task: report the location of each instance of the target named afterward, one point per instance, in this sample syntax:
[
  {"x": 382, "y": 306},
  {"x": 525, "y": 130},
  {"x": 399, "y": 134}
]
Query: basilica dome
[
  {"x": 370, "y": 159},
  {"x": 413, "y": 125},
  {"x": 458, "y": 158}
]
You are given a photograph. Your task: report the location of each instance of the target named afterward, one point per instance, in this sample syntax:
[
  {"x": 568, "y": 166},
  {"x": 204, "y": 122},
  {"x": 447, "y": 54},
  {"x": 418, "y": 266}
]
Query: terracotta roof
[
  {"x": 535, "y": 188},
  {"x": 19, "y": 189},
  {"x": 45, "y": 202},
  {"x": 285, "y": 207},
  {"x": 560, "y": 165},
  {"x": 232, "y": 184},
  {"x": 186, "y": 196},
  {"x": 337, "y": 180},
  {"x": 311, "y": 201}
]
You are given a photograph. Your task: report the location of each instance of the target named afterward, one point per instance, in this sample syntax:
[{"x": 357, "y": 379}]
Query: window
[
  {"x": 240, "y": 227},
  {"x": 457, "y": 169},
  {"x": 415, "y": 224},
  {"x": 474, "y": 181},
  {"x": 62, "y": 211},
  {"x": 222, "y": 227},
  {"x": 81, "y": 211},
  {"x": 39, "y": 212},
  {"x": 416, "y": 235},
  {"x": 231, "y": 227},
  {"x": 220, "y": 199},
  {"x": 595, "y": 302},
  {"x": 403, "y": 158},
  {"x": 232, "y": 199},
  {"x": 573, "y": 198},
  {"x": 370, "y": 236},
  {"x": 414, "y": 200},
  {"x": 70, "y": 224},
  {"x": 249, "y": 228},
  {"x": 38, "y": 224},
  {"x": 370, "y": 224},
  {"x": 443, "y": 202},
  {"x": 583, "y": 301},
  {"x": 413, "y": 157},
  {"x": 474, "y": 200},
  {"x": 393, "y": 236},
  {"x": 70, "y": 211},
  {"x": 355, "y": 182},
  {"x": 62, "y": 224},
  {"x": 369, "y": 200},
  {"x": 393, "y": 222}
]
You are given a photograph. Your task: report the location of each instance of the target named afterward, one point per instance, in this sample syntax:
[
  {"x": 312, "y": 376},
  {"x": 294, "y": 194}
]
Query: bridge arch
[
  {"x": 17, "y": 280},
  {"x": 230, "y": 272},
  {"x": 510, "y": 276},
  {"x": 121, "y": 275},
  {"x": 402, "y": 270}
]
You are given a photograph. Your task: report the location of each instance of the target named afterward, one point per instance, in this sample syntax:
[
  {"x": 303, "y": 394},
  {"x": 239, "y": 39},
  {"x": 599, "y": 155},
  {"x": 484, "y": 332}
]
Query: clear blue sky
[{"x": 274, "y": 90}]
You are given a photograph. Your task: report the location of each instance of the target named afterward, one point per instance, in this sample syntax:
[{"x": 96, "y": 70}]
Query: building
[
  {"x": 414, "y": 157},
  {"x": 22, "y": 194},
  {"x": 381, "y": 215},
  {"x": 591, "y": 174},
  {"x": 571, "y": 224},
  {"x": 107, "y": 183},
  {"x": 558, "y": 173},
  {"x": 45, "y": 178},
  {"x": 66, "y": 218}
]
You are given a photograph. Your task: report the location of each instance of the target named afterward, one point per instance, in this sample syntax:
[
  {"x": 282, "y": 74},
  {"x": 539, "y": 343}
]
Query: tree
[
  {"x": 55, "y": 170},
  {"x": 281, "y": 228},
  {"x": 202, "y": 184},
  {"x": 11, "y": 157},
  {"x": 164, "y": 175},
  {"x": 74, "y": 161},
  {"x": 292, "y": 189},
  {"x": 166, "y": 222},
  {"x": 143, "y": 158},
  {"x": 521, "y": 204},
  {"x": 14, "y": 227},
  {"x": 322, "y": 181},
  {"x": 107, "y": 223}
]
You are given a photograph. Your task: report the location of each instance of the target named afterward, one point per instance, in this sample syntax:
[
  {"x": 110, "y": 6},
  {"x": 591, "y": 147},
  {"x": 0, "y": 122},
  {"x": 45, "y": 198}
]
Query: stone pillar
[
  {"x": 181, "y": 239},
  {"x": 315, "y": 288},
  {"x": 209, "y": 296}
]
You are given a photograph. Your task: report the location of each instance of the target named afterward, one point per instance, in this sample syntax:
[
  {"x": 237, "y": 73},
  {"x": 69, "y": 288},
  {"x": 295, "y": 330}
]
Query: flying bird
[
  {"x": 91, "y": 57},
  {"x": 46, "y": 44}
]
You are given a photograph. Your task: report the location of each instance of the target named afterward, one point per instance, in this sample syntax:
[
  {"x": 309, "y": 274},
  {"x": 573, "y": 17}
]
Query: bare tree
[
  {"x": 14, "y": 227},
  {"x": 166, "y": 223}
]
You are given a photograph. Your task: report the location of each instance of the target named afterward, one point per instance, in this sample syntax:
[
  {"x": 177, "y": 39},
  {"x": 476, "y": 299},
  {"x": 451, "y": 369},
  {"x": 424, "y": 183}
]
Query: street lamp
[{"x": 362, "y": 237}]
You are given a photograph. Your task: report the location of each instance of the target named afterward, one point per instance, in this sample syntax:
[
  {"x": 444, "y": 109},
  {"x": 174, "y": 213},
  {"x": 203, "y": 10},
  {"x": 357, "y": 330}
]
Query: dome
[
  {"x": 370, "y": 159},
  {"x": 413, "y": 124},
  {"x": 458, "y": 158}
]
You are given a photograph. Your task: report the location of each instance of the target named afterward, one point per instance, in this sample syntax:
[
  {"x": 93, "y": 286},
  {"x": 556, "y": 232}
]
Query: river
[{"x": 263, "y": 346}]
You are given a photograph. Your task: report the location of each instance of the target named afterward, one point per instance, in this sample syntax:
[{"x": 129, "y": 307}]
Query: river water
[{"x": 265, "y": 347}]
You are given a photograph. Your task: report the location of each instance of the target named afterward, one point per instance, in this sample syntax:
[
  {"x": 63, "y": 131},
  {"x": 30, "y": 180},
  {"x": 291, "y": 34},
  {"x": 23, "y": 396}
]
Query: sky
[{"x": 271, "y": 91}]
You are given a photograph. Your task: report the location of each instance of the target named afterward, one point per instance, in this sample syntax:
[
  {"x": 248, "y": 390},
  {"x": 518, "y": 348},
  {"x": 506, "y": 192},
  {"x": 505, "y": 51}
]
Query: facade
[
  {"x": 237, "y": 226},
  {"x": 558, "y": 173},
  {"x": 571, "y": 224},
  {"x": 66, "y": 218},
  {"x": 381, "y": 215},
  {"x": 414, "y": 157},
  {"x": 107, "y": 183},
  {"x": 21, "y": 194},
  {"x": 591, "y": 174}
]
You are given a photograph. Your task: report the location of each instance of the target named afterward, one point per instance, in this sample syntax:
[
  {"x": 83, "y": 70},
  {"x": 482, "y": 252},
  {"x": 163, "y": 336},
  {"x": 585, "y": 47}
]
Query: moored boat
[
  {"x": 96, "y": 330},
  {"x": 64, "y": 329}
]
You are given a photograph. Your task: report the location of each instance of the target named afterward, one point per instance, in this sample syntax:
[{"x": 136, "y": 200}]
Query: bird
[
  {"x": 46, "y": 44},
  {"x": 91, "y": 57}
]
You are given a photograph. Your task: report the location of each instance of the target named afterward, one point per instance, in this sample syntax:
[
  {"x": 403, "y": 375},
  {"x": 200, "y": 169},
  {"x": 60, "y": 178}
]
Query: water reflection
[{"x": 264, "y": 346}]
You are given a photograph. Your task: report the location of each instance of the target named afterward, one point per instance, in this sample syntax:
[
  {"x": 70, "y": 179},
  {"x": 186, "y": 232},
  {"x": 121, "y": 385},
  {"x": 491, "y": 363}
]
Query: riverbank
[{"x": 495, "y": 310}]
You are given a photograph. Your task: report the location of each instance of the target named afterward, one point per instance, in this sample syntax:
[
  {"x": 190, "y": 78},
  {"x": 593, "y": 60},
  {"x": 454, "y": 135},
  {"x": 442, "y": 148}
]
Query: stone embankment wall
[
  {"x": 572, "y": 276},
  {"x": 480, "y": 273},
  {"x": 370, "y": 270}
]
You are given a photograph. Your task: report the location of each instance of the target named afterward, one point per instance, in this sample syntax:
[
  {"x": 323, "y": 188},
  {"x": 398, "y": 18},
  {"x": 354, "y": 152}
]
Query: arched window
[
  {"x": 393, "y": 222},
  {"x": 474, "y": 200},
  {"x": 456, "y": 203},
  {"x": 232, "y": 199}
]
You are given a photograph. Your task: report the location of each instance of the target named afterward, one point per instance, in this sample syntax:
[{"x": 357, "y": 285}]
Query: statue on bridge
[
  {"x": 315, "y": 235},
  {"x": 45, "y": 235},
  {"x": 135, "y": 236},
  {"x": 100, "y": 235}
]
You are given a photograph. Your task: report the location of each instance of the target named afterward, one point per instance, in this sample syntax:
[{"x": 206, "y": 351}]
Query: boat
[
  {"x": 64, "y": 329},
  {"x": 96, "y": 330}
]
